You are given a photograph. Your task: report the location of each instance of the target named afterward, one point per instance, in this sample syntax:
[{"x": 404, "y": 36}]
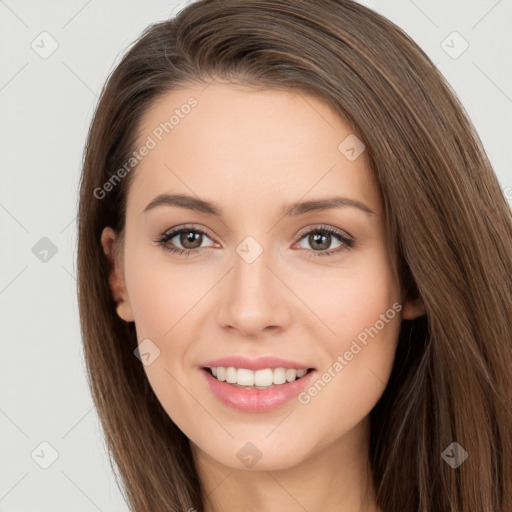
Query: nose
[{"x": 254, "y": 299}]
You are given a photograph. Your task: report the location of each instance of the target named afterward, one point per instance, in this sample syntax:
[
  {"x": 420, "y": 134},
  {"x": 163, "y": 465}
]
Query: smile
[
  {"x": 244, "y": 393},
  {"x": 257, "y": 379}
]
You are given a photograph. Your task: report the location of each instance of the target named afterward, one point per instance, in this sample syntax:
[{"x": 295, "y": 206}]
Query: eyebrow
[{"x": 291, "y": 210}]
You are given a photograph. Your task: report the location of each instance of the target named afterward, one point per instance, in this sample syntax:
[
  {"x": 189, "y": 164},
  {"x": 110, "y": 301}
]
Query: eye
[
  {"x": 321, "y": 238},
  {"x": 190, "y": 238}
]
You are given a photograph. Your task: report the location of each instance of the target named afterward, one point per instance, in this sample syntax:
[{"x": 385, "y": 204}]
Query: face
[{"x": 250, "y": 277}]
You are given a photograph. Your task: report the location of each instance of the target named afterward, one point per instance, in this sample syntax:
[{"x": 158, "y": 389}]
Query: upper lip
[{"x": 255, "y": 364}]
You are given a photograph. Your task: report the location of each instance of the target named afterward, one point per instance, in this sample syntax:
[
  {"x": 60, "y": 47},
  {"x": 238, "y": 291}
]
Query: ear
[
  {"x": 116, "y": 274},
  {"x": 413, "y": 308}
]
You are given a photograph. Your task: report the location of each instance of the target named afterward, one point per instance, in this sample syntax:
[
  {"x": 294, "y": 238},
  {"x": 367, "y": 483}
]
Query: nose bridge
[
  {"x": 253, "y": 299},
  {"x": 251, "y": 276}
]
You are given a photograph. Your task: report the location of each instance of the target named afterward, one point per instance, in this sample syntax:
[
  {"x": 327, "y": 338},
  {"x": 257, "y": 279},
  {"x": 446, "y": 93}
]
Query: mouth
[
  {"x": 257, "y": 391},
  {"x": 267, "y": 378}
]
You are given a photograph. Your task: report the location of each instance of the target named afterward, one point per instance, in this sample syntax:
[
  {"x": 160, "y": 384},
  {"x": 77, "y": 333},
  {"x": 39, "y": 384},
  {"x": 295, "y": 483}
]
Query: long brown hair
[{"x": 449, "y": 230}]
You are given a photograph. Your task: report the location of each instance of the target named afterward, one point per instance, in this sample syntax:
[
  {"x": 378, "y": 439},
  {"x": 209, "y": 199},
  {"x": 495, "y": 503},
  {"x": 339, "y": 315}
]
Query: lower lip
[{"x": 256, "y": 400}]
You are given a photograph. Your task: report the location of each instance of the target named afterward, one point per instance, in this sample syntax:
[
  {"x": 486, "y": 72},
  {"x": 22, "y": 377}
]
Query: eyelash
[{"x": 348, "y": 242}]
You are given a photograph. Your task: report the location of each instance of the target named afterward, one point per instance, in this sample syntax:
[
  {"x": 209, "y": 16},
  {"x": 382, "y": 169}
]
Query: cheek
[
  {"x": 363, "y": 303},
  {"x": 362, "y": 309},
  {"x": 355, "y": 375},
  {"x": 162, "y": 293},
  {"x": 164, "y": 298},
  {"x": 352, "y": 298}
]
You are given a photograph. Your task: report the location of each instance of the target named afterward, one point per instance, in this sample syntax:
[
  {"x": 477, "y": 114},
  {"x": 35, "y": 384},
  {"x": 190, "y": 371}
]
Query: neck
[{"x": 336, "y": 478}]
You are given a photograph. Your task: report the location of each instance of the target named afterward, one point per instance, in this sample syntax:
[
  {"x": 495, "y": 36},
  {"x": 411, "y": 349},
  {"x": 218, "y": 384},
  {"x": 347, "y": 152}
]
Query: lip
[
  {"x": 256, "y": 400},
  {"x": 255, "y": 364}
]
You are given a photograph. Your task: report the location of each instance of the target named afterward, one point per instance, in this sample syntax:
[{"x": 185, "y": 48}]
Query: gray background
[{"x": 47, "y": 103}]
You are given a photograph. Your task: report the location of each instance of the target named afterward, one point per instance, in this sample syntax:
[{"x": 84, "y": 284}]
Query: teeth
[{"x": 259, "y": 378}]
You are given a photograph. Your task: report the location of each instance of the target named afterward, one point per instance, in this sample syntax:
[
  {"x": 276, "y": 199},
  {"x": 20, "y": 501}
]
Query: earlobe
[
  {"x": 413, "y": 308},
  {"x": 116, "y": 275}
]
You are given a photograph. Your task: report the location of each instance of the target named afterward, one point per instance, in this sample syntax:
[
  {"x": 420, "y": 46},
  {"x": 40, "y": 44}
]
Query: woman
[{"x": 294, "y": 270}]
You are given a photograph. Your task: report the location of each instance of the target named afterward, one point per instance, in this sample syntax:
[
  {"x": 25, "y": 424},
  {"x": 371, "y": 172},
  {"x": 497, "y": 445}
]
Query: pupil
[
  {"x": 189, "y": 238},
  {"x": 322, "y": 239}
]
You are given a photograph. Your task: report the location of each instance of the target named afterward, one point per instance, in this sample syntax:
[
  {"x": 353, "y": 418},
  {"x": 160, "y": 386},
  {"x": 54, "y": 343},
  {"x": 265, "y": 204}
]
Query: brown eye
[
  {"x": 190, "y": 239},
  {"x": 320, "y": 241},
  {"x": 184, "y": 241}
]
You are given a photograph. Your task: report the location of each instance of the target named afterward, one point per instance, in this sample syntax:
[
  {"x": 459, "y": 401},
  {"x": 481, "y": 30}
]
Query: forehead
[{"x": 227, "y": 141}]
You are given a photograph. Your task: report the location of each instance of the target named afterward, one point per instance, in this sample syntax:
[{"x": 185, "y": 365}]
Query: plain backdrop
[{"x": 55, "y": 57}]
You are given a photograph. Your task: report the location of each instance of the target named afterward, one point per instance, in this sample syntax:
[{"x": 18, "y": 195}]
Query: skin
[{"x": 234, "y": 147}]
